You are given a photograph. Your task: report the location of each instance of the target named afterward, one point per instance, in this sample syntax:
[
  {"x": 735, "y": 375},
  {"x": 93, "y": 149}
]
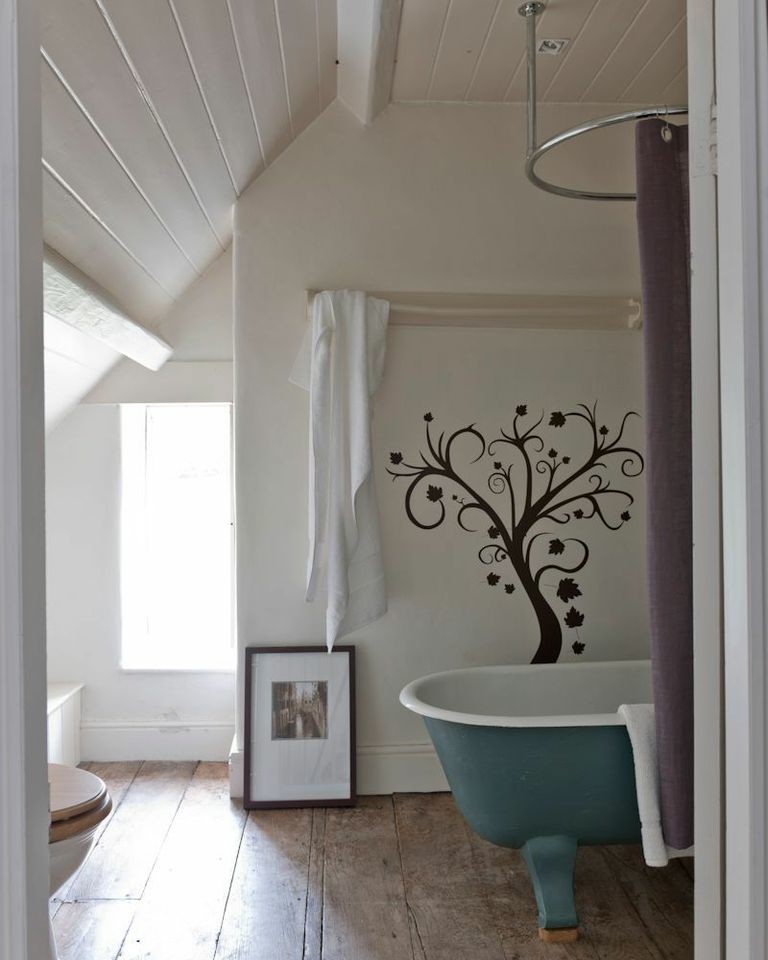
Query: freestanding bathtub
[{"x": 538, "y": 758}]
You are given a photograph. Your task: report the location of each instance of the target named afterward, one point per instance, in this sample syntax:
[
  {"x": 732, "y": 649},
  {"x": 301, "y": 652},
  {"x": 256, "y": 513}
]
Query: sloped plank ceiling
[
  {"x": 158, "y": 113},
  {"x": 619, "y": 51},
  {"x": 156, "y": 116}
]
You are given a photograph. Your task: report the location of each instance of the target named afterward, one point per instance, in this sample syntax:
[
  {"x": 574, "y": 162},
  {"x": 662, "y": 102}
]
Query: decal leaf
[
  {"x": 557, "y": 419},
  {"x": 568, "y": 589},
  {"x": 434, "y": 493},
  {"x": 493, "y": 579},
  {"x": 556, "y": 547},
  {"x": 578, "y": 647},
  {"x": 395, "y": 457},
  {"x": 574, "y": 618}
]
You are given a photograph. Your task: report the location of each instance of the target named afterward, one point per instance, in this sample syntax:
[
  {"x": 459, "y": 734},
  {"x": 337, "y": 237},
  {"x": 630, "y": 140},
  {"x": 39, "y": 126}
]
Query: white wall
[
  {"x": 127, "y": 715},
  {"x": 442, "y": 611},
  {"x": 73, "y": 364},
  {"x": 428, "y": 198},
  {"x": 199, "y": 325}
]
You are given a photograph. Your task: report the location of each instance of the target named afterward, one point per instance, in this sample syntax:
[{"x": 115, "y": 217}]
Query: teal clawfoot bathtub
[{"x": 539, "y": 760}]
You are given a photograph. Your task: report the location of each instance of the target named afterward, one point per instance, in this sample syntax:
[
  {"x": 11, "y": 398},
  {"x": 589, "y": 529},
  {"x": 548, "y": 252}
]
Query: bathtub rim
[{"x": 410, "y": 700}]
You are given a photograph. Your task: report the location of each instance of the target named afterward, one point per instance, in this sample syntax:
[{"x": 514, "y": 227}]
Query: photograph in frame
[{"x": 299, "y": 727}]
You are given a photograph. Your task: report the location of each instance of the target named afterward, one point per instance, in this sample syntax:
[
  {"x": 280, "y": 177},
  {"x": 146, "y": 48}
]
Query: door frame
[
  {"x": 707, "y": 534},
  {"x": 741, "y": 55},
  {"x": 742, "y": 357},
  {"x": 23, "y": 772}
]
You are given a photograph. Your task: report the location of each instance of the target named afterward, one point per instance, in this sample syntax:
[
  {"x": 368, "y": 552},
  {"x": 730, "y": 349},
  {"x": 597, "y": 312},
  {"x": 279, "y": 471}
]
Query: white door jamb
[{"x": 23, "y": 772}]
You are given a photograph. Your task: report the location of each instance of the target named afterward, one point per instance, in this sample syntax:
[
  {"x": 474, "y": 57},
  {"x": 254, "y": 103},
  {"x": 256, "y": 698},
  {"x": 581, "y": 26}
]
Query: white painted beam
[
  {"x": 367, "y": 43},
  {"x": 73, "y": 298}
]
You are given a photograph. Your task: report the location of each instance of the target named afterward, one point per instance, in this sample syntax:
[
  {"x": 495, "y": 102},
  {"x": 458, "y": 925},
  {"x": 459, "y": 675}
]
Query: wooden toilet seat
[{"x": 79, "y": 801}]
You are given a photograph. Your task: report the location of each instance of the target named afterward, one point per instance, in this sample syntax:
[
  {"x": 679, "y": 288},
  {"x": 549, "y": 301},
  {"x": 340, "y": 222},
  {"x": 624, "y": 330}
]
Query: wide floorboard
[{"x": 180, "y": 872}]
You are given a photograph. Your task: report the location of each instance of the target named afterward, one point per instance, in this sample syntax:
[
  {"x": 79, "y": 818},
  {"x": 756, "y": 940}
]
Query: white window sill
[{"x": 231, "y": 668}]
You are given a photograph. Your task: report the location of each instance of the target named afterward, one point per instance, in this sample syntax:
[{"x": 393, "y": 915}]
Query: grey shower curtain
[{"x": 663, "y": 226}]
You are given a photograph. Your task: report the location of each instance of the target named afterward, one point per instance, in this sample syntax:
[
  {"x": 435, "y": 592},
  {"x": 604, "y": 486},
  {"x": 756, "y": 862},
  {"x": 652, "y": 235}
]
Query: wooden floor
[{"x": 181, "y": 873}]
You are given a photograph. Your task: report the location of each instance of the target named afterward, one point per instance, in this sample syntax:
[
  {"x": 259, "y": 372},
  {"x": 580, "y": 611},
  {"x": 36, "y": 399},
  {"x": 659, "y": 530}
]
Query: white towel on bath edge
[
  {"x": 640, "y": 720},
  {"x": 341, "y": 363}
]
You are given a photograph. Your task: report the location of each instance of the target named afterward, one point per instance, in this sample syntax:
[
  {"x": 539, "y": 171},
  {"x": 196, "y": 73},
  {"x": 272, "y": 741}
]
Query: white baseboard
[
  {"x": 103, "y": 740},
  {"x": 236, "y": 771},
  {"x": 381, "y": 769},
  {"x": 399, "y": 768}
]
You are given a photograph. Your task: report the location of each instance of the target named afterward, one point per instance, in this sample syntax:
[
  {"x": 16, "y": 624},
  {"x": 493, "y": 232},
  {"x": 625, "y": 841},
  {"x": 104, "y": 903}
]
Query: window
[{"x": 176, "y": 537}]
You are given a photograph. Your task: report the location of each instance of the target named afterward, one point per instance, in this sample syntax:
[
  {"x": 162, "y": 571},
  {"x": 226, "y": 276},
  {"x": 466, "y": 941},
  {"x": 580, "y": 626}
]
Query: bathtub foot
[{"x": 550, "y": 863}]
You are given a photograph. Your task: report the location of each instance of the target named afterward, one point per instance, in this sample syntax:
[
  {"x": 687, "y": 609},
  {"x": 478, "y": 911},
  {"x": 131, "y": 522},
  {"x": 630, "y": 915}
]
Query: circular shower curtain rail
[
  {"x": 571, "y": 134},
  {"x": 530, "y": 11}
]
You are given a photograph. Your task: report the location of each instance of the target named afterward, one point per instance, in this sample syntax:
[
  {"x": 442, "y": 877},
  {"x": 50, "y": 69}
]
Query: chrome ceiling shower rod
[{"x": 530, "y": 10}]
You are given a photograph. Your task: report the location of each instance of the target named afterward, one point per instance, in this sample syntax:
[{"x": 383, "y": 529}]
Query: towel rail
[{"x": 509, "y": 310}]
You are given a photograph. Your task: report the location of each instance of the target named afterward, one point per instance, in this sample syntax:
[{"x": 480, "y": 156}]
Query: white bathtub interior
[{"x": 568, "y": 694}]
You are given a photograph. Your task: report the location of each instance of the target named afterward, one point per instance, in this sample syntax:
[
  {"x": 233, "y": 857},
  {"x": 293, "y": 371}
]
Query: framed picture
[{"x": 299, "y": 727}]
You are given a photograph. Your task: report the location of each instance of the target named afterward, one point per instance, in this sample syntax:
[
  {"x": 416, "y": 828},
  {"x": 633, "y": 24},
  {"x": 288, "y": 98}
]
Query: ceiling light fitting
[{"x": 552, "y": 48}]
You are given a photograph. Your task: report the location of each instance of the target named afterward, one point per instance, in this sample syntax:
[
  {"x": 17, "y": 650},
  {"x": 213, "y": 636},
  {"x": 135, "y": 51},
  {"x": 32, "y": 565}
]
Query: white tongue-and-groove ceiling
[
  {"x": 156, "y": 116},
  {"x": 618, "y": 51}
]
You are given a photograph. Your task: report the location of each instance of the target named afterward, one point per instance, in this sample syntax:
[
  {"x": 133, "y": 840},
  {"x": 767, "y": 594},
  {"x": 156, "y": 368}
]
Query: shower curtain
[{"x": 661, "y": 153}]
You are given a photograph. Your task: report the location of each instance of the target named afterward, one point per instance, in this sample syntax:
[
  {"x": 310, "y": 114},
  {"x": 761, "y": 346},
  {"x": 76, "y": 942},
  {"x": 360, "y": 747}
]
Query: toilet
[{"x": 79, "y": 802}]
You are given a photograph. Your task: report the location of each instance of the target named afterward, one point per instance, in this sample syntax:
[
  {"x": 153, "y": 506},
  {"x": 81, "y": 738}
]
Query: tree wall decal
[{"x": 534, "y": 490}]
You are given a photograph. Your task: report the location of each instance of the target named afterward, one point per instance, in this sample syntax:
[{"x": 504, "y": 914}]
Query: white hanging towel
[
  {"x": 640, "y": 720},
  {"x": 341, "y": 363}
]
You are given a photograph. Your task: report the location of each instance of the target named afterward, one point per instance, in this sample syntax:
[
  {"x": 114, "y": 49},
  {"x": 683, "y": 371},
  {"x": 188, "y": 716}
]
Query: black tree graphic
[{"x": 540, "y": 489}]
